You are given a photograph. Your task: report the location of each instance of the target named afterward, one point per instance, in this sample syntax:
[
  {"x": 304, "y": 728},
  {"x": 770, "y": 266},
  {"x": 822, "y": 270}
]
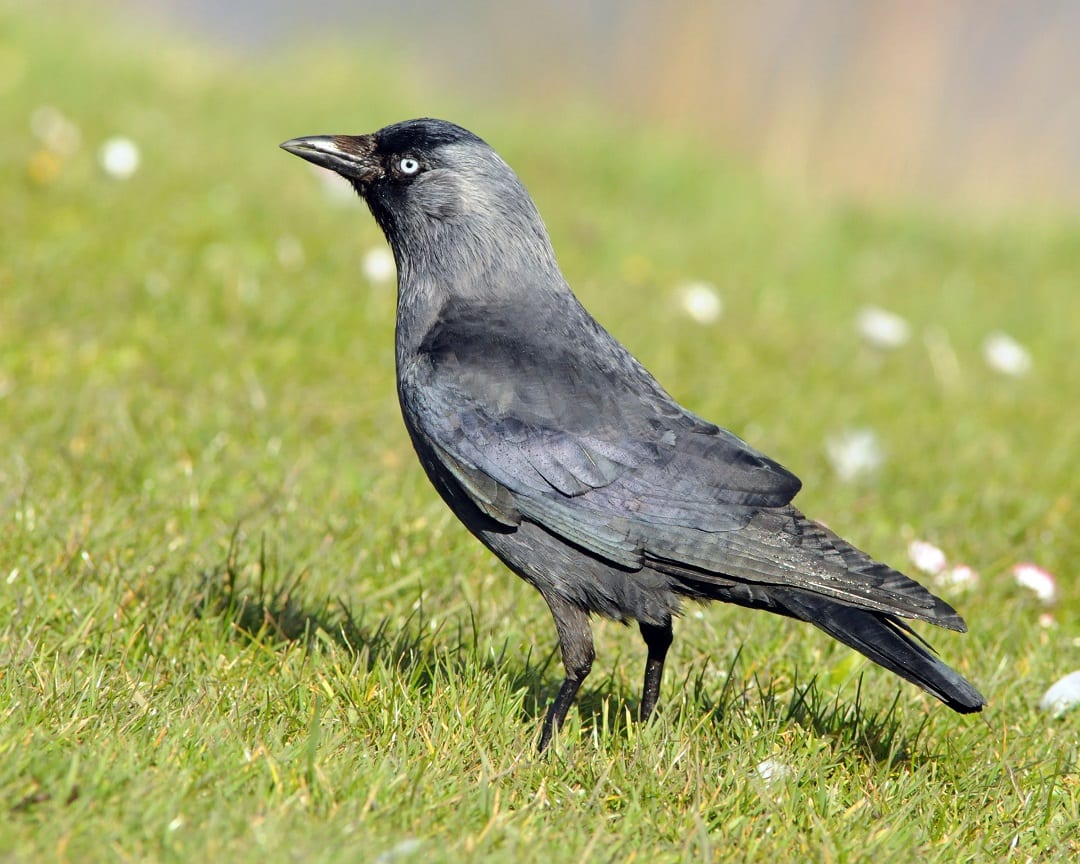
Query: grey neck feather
[{"x": 469, "y": 234}]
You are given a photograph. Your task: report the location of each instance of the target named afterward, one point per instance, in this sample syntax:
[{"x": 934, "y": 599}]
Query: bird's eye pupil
[{"x": 408, "y": 165}]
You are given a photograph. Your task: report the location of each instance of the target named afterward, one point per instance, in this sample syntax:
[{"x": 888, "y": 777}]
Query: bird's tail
[{"x": 888, "y": 642}]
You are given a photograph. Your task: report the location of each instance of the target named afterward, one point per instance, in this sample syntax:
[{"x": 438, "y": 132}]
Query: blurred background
[{"x": 967, "y": 102}]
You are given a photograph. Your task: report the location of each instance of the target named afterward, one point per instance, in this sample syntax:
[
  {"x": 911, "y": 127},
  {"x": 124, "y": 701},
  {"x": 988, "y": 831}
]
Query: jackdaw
[{"x": 565, "y": 457}]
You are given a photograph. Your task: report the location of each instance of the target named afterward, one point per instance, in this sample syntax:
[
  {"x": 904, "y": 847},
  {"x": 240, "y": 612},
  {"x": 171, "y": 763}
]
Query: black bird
[{"x": 565, "y": 457}]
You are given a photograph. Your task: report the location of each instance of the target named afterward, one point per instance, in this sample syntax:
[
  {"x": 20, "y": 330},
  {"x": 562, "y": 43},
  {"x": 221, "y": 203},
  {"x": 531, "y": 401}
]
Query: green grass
[{"x": 237, "y": 624}]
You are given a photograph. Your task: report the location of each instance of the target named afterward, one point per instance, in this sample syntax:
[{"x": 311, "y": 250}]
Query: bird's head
[{"x": 436, "y": 189}]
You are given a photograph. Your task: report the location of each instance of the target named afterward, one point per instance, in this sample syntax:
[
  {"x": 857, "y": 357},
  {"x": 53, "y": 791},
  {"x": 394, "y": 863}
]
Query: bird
[{"x": 555, "y": 447}]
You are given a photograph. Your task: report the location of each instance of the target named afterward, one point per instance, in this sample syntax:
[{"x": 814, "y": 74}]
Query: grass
[{"x": 237, "y": 623}]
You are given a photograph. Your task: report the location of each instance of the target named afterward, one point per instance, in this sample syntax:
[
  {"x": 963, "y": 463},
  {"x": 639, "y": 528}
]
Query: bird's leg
[
  {"x": 657, "y": 640},
  {"x": 575, "y": 642}
]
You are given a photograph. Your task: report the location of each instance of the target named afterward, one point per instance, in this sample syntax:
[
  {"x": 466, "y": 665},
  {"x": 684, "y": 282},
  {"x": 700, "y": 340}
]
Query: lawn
[{"x": 237, "y": 624}]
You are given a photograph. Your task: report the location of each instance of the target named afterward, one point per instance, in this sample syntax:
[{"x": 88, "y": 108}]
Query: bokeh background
[{"x": 970, "y": 102}]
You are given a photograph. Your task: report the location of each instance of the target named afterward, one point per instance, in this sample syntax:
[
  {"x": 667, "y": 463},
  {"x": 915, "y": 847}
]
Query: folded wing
[{"x": 585, "y": 443}]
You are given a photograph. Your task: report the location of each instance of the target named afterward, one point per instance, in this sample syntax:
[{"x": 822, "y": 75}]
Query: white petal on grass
[
  {"x": 882, "y": 328},
  {"x": 378, "y": 265},
  {"x": 772, "y": 771},
  {"x": 1036, "y": 579},
  {"x": 55, "y": 131},
  {"x": 701, "y": 302},
  {"x": 1062, "y": 695},
  {"x": 960, "y": 577},
  {"x": 926, "y": 557},
  {"x": 119, "y": 157},
  {"x": 407, "y": 848},
  {"x": 1005, "y": 355},
  {"x": 854, "y": 453}
]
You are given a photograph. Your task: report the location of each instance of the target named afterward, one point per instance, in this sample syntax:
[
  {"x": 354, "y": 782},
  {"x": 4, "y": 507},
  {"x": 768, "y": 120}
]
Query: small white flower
[
  {"x": 1005, "y": 355},
  {"x": 701, "y": 302},
  {"x": 1062, "y": 695},
  {"x": 378, "y": 265},
  {"x": 854, "y": 453},
  {"x": 772, "y": 770},
  {"x": 407, "y": 848},
  {"x": 960, "y": 577},
  {"x": 1034, "y": 578},
  {"x": 119, "y": 157},
  {"x": 926, "y": 557},
  {"x": 881, "y": 328}
]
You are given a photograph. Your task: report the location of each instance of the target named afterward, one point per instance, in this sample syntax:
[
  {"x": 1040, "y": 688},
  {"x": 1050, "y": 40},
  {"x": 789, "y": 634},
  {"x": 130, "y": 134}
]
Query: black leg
[
  {"x": 657, "y": 640},
  {"x": 575, "y": 642}
]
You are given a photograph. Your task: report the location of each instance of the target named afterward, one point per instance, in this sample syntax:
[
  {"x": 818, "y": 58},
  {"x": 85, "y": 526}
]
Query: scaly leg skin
[
  {"x": 575, "y": 642},
  {"x": 657, "y": 640}
]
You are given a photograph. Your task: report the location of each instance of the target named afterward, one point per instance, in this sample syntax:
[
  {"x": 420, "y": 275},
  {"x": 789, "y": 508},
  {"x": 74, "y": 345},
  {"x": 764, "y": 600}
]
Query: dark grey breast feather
[{"x": 578, "y": 437}]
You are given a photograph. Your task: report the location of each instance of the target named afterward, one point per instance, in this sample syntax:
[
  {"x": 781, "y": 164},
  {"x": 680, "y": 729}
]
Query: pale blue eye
[{"x": 408, "y": 165}]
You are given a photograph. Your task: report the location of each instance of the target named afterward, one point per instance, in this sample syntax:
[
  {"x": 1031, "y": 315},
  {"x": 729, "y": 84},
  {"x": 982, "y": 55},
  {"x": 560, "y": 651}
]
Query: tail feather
[{"x": 888, "y": 642}]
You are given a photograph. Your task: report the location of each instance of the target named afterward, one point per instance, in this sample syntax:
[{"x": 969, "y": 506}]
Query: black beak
[{"x": 351, "y": 156}]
